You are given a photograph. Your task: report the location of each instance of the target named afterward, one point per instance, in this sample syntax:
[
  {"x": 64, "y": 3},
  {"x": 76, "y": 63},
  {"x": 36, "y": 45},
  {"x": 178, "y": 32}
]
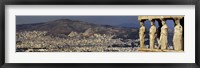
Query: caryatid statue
[
  {"x": 142, "y": 34},
  {"x": 163, "y": 35},
  {"x": 177, "y": 39},
  {"x": 152, "y": 34}
]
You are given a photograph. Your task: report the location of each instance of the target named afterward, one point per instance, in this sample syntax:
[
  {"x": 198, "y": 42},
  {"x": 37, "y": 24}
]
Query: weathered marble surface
[
  {"x": 177, "y": 39},
  {"x": 142, "y": 34},
  {"x": 164, "y": 35},
  {"x": 152, "y": 34}
]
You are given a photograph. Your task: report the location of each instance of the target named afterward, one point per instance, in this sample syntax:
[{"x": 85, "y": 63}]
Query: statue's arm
[
  {"x": 165, "y": 31},
  {"x": 155, "y": 33},
  {"x": 181, "y": 30},
  {"x": 143, "y": 29},
  {"x": 174, "y": 34},
  {"x": 140, "y": 31},
  {"x": 144, "y": 32}
]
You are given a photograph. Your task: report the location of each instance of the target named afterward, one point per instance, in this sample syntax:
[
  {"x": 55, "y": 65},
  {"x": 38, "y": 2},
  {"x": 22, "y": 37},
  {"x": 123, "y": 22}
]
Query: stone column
[
  {"x": 178, "y": 38},
  {"x": 164, "y": 35},
  {"x": 152, "y": 34},
  {"x": 142, "y": 33}
]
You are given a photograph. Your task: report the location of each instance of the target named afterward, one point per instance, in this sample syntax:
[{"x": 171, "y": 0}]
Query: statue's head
[
  {"x": 177, "y": 21},
  {"x": 141, "y": 23},
  {"x": 152, "y": 23},
  {"x": 163, "y": 22}
]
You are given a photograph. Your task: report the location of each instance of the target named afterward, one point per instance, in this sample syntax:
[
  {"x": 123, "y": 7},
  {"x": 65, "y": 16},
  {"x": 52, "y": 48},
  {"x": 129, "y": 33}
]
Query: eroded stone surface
[
  {"x": 152, "y": 34},
  {"x": 141, "y": 34},
  {"x": 177, "y": 39},
  {"x": 163, "y": 36}
]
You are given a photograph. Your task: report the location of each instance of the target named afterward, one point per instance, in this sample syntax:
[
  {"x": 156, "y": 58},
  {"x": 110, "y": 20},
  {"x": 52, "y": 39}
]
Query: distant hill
[
  {"x": 131, "y": 25},
  {"x": 65, "y": 26}
]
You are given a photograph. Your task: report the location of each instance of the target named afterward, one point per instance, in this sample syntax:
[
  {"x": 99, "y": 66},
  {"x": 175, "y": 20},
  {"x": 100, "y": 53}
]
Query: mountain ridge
[{"x": 66, "y": 26}]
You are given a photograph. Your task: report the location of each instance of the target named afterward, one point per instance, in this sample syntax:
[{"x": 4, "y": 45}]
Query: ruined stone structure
[{"x": 161, "y": 33}]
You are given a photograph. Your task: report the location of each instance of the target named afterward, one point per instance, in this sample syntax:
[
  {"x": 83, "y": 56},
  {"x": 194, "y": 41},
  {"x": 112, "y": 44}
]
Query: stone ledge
[
  {"x": 157, "y": 17},
  {"x": 156, "y": 50}
]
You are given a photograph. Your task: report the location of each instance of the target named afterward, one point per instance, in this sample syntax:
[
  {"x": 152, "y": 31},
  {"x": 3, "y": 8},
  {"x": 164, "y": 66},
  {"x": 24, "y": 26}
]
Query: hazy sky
[{"x": 108, "y": 20}]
